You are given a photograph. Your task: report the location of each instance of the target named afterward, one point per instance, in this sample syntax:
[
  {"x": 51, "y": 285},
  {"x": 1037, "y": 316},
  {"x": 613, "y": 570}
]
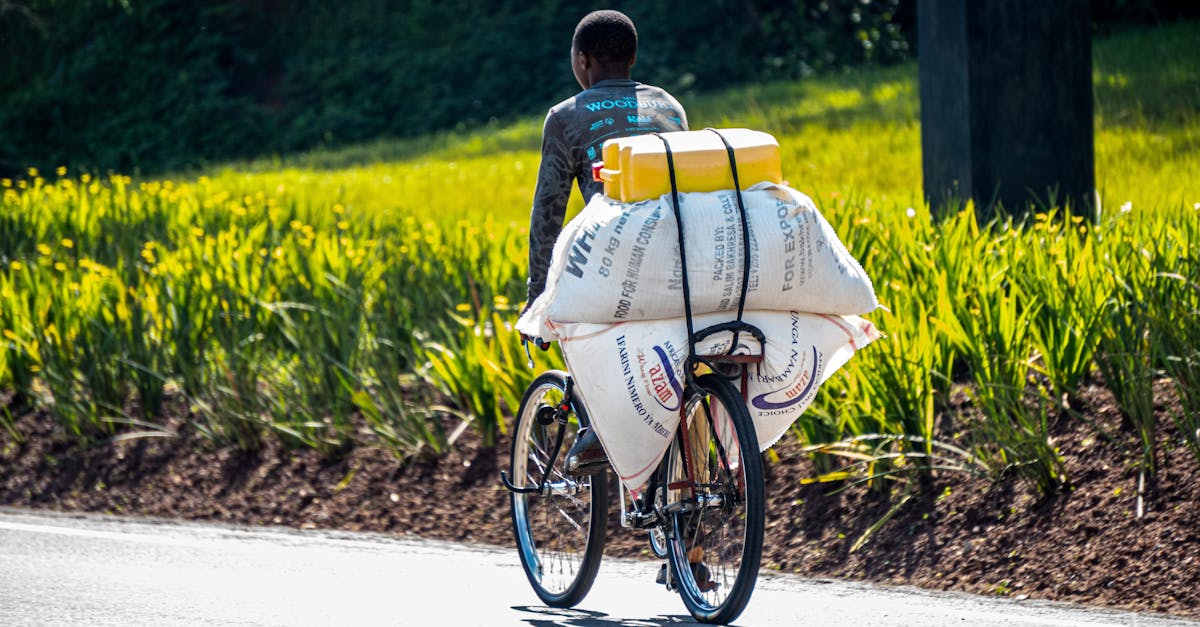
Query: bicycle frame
[
  {"x": 632, "y": 517},
  {"x": 559, "y": 415}
]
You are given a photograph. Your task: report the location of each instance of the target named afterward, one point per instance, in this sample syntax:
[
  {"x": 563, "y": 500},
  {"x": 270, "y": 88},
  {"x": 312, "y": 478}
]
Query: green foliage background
[
  {"x": 159, "y": 85},
  {"x": 149, "y": 86},
  {"x": 323, "y": 297}
]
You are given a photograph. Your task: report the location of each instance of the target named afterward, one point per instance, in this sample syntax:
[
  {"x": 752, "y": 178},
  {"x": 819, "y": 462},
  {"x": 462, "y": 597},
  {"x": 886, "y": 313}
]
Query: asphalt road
[{"x": 92, "y": 570}]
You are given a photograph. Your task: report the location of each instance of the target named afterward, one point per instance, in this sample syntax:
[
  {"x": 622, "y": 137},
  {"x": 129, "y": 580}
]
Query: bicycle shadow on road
[{"x": 561, "y": 617}]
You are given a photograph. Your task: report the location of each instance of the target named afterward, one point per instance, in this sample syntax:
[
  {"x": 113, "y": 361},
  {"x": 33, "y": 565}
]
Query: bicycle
[{"x": 703, "y": 507}]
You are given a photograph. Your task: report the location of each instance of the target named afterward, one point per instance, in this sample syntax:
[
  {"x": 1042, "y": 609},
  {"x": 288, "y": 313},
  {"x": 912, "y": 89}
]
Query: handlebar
[{"x": 536, "y": 341}]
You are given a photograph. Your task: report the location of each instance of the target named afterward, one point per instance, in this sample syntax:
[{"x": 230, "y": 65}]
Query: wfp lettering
[{"x": 580, "y": 248}]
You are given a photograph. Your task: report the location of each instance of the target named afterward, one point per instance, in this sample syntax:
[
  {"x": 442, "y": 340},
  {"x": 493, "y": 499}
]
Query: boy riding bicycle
[{"x": 611, "y": 105}]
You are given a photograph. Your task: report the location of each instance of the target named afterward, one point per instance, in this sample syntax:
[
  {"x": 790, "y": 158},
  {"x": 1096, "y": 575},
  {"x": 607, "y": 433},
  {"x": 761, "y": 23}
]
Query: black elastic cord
[
  {"x": 687, "y": 293},
  {"x": 737, "y": 188}
]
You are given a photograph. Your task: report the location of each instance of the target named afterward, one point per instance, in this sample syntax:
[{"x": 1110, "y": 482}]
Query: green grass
[{"x": 319, "y": 297}]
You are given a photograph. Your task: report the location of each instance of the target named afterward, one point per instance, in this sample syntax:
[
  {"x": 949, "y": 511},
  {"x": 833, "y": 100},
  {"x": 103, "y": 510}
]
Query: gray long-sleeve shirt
[{"x": 573, "y": 134}]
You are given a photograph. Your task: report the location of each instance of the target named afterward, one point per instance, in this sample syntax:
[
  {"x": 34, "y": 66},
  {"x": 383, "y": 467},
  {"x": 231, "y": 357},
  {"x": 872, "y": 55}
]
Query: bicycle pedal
[
  {"x": 645, "y": 520},
  {"x": 664, "y": 577}
]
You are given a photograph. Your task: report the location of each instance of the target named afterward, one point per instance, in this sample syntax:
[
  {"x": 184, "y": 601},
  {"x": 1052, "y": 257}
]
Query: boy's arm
[
  {"x": 549, "y": 203},
  {"x": 682, "y": 113}
]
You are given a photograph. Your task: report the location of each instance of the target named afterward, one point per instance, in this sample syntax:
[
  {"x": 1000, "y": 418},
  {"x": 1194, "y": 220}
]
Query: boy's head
[{"x": 604, "y": 46}]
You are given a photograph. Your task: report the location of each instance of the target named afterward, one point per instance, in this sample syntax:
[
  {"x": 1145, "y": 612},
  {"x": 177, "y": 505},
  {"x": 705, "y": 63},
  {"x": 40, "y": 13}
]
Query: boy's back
[{"x": 577, "y": 127}]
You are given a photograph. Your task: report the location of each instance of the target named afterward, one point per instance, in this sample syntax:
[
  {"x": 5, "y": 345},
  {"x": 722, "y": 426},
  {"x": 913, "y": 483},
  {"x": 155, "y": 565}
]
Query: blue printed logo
[
  {"x": 665, "y": 387},
  {"x": 780, "y": 399}
]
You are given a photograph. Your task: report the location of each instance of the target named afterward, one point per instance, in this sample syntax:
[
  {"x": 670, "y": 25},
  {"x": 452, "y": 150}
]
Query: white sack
[
  {"x": 630, "y": 376},
  {"x": 618, "y": 262}
]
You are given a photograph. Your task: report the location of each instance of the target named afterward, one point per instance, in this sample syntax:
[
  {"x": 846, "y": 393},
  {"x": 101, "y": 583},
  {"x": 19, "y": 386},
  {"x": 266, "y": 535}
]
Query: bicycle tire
[
  {"x": 560, "y": 537},
  {"x": 721, "y": 527}
]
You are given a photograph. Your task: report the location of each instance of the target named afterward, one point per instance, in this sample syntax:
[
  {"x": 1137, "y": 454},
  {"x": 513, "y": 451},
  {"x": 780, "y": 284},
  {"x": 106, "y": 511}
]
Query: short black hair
[{"x": 609, "y": 36}]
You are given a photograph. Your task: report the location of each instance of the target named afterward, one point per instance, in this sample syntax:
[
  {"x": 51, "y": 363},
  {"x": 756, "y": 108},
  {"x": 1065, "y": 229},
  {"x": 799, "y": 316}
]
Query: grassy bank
[{"x": 319, "y": 298}]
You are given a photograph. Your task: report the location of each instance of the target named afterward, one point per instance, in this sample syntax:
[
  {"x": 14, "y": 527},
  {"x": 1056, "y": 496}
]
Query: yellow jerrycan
[{"x": 635, "y": 168}]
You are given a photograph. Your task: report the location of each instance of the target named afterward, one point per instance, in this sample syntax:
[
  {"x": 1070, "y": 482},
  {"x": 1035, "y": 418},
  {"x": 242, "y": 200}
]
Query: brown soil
[{"x": 1086, "y": 544}]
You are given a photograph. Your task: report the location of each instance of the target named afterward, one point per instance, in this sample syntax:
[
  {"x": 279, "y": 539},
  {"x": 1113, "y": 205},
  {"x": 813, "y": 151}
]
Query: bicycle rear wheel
[
  {"x": 560, "y": 532},
  {"x": 715, "y": 532}
]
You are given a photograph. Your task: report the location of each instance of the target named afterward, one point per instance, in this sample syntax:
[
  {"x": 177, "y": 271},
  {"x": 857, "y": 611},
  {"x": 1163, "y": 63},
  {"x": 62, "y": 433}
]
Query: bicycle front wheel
[
  {"x": 560, "y": 531},
  {"x": 714, "y": 503}
]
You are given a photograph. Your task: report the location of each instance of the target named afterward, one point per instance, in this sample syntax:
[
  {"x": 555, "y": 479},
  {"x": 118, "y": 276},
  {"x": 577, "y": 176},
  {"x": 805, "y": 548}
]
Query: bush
[{"x": 160, "y": 85}]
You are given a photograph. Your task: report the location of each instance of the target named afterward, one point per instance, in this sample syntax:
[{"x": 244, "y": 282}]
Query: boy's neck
[
  {"x": 594, "y": 72},
  {"x": 610, "y": 77}
]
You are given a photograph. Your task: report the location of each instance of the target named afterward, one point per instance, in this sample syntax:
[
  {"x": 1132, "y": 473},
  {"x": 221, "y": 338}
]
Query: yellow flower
[
  {"x": 343, "y": 225},
  {"x": 60, "y": 266},
  {"x": 197, "y": 231},
  {"x": 67, "y": 243},
  {"x": 463, "y": 307},
  {"x": 339, "y": 209},
  {"x": 16, "y": 265},
  {"x": 33, "y": 172},
  {"x": 43, "y": 249},
  {"x": 85, "y": 177},
  {"x": 5, "y": 182},
  {"x": 61, "y": 170}
]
